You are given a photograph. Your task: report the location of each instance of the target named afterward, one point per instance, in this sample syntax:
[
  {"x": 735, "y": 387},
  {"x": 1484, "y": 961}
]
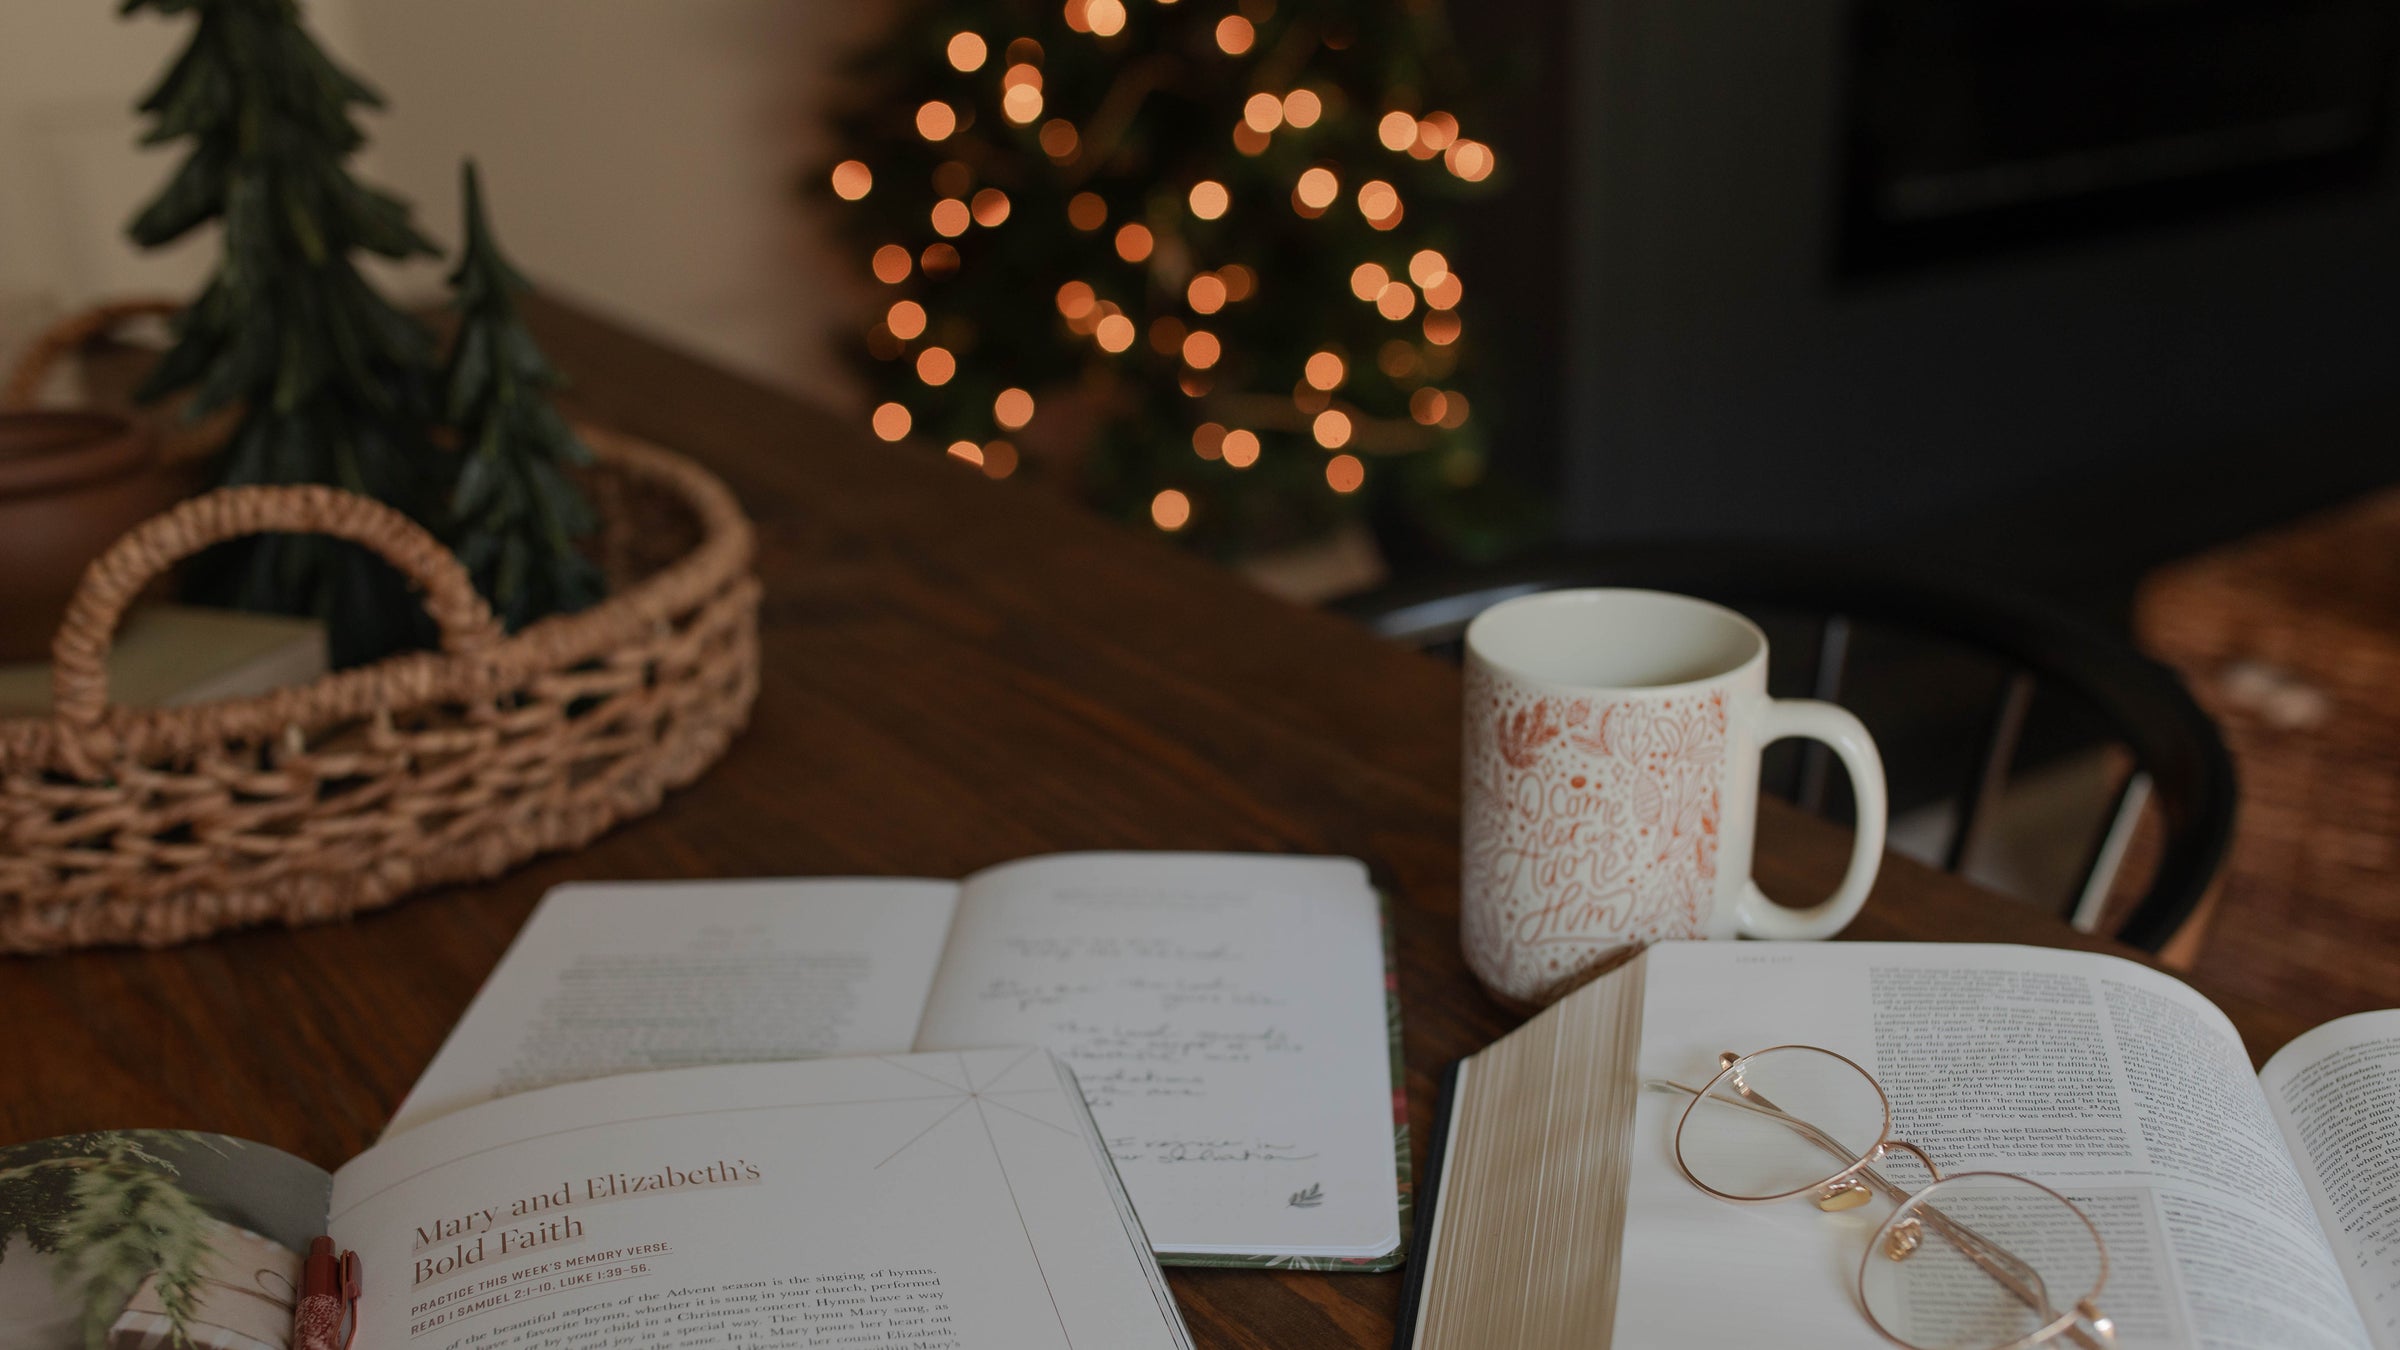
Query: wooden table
[{"x": 957, "y": 672}]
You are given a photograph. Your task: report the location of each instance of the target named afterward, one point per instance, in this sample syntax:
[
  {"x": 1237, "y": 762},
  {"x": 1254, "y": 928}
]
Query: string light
[
  {"x": 1022, "y": 103},
  {"x": 1114, "y": 333},
  {"x": 1367, "y": 281},
  {"x": 1013, "y": 409},
  {"x": 1133, "y": 241},
  {"x": 852, "y": 179},
  {"x": 1206, "y": 294},
  {"x": 1078, "y": 15},
  {"x": 1240, "y": 448},
  {"x": 1075, "y": 299},
  {"x": 1325, "y": 370},
  {"x": 950, "y": 217},
  {"x": 1201, "y": 349},
  {"x": 1170, "y": 510},
  {"x": 891, "y": 421},
  {"x": 1302, "y": 108},
  {"x": 1435, "y": 131},
  {"x": 1234, "y": 34},
  {"x": 1396, "y": 301},
  {"x": 1209, "y": 199},
  {"x": 935, "y": 121},
  {"x": 891, "y": 264},
  {"x": 990, "y": 207},
  {"x": 1445, "y": 293},
  {"x": 1344, "y": 473},
  {"x": 966, "y": 52},
  {"x": 1470, "y": 160},
  {"x": 935, "y": 366},
  {"x": 1397, "y": 131},
  {"x": 1331, "y": 428},
  {"x": 1106, "y": 17},
  {"x": 1086, "y": 212},
  {"x": 906, "y": 319},
  {"x": 1427, "y": 268},
  {"x": 1262, "y": 113},
  {"x": 1318, "y": 187}
]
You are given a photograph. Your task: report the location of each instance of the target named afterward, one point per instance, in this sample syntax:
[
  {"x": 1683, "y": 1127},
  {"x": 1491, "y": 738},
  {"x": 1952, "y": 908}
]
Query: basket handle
[{"x": 79, "y": 655}]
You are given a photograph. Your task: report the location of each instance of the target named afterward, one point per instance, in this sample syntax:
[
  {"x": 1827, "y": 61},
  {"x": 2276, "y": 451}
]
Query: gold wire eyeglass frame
[{"x": 2081, "y": 1324}]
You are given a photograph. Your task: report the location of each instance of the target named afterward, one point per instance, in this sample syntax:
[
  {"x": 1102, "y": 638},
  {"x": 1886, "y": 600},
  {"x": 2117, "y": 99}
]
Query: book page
[
  {"x": 909, "y": 1202},
  {"x": 1226, "y": 1017},
  {"x": 2109, "y": 1082},
  {"x": 615, "y": 977},
  {"x": 2336, "y": 1091},
  {"x": 152, "y": 1238}
]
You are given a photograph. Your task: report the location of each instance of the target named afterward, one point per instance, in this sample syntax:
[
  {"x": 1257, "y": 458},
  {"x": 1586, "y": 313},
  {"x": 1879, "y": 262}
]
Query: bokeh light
[
  {"x": 1445, "y": 293},
  {"x": 1022, "y": 103},
  {"x": 852, "y": 179},
  {"x": 1076, "y": 298},
  {"x": 1201, "y": 349},
  {"x": 1013, "y": 408},
  {"x": 1367, "y": 280},
  {"x": 1427, "y": 267},
  {"x": 1234, "y": 34},
  {"x": 1206, "y": 294},
  {"x": 1470, "y": 160},
  {"x": 1114, "y": 334},
  {"x": 891, "y": 421},
  {"x": 990, "y": 207},
  {"x": 1318, "y": 187},
  {"x": 1396, "y": 301},
  {"x": 1085, "y": 211},
  {"x": 1344, "y": 473},
  {"x": 1442, "y": 327},
  {"x": 936, "y": 120},
  {"x": 967, "y": 52},
  {"x": 891, "y": 264},
  {"x": 1170, "y": 510},
  {"x": 1133, "y": 241},
  {"x": 1397, "y": 131},
  {"x": 1208, "y": 440},
  {"x": 951, "y": 217},
  {"x": 1325, "y": 370},
  {"x": 968, "y": 451},
  {"x": 1209, "y": 199},
  {"x": 1240, "y": 448},
  {"x": 1059, "y": 139},
  {"x": 999, "y": 459},
  {"x": 1262, "y": 113},
  {"x": 938, "y": 260},
  {"x": 1302, "y": 108},
  {"x": 1106, "y": 17},
  {"x": 935, "y": 366},
  {"x": 1331, "y": 428},
  {"x": 1427, "y": 406},
  {"x": 906, "y": 319}
]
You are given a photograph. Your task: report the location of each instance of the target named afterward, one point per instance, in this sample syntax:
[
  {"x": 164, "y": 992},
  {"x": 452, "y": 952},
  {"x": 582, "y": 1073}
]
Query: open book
[
  {"x": 910, "y": 1202},
  {"x": 1229, "y": 1017},
  {"x": 2238, "y": 1210}
]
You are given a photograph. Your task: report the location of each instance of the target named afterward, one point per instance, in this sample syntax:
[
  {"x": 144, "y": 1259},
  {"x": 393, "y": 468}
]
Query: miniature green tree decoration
[
  {"x": 331, "y": 379},
  {"x": 514, "y": 515}
]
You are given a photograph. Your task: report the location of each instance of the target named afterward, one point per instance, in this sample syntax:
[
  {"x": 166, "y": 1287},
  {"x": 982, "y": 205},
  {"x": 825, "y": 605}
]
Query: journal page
[
  {"x": 614, "y": 977},
  {"x": 1226, "y": 1017},
  {"x": 910, "y": 1202},
  {"x": 2104, "y": 1080},
  {"x": 2336, "y": 1091}
]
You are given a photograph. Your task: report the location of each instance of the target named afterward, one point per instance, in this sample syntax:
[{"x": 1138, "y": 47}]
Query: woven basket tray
[{"x": 155, "y": 827}]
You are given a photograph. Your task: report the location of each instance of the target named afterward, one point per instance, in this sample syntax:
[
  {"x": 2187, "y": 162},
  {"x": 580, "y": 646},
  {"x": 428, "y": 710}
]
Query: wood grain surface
[{"x": 957, "y": 672}]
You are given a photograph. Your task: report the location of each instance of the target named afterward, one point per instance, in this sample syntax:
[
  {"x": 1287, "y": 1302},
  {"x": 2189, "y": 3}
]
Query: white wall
[{"x": 640, "y": 156}]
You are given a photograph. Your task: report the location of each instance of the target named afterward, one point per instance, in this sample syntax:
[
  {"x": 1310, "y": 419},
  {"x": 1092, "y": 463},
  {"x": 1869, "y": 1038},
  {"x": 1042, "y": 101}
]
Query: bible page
[
  {"x": 910, "y": 1202},
  {"x": 2336, "y": 1091},
  {"x": 615, "y": 977},
  {"x": 2112, "y": 1084},
  {"x": 1226, "y": 1017}
]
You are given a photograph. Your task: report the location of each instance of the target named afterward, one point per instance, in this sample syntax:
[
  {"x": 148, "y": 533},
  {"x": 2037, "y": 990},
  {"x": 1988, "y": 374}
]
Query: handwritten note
[{"x": 1228, "y": 1031}]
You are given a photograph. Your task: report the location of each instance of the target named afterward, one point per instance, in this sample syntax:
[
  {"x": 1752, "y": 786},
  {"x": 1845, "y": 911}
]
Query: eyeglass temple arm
[{"x": 2004, "y": 1266}]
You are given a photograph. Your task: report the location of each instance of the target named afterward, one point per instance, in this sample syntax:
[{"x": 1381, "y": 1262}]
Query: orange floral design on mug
[{"x": 1599, "y": 827}]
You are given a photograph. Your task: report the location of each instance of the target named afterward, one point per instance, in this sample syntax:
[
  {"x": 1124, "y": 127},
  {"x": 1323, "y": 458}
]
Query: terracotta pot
[{"x": 70, "y": 484}]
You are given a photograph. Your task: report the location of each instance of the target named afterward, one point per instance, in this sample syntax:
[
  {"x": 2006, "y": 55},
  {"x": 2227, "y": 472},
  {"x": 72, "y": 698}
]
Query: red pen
[{"x": 328, "y": 1297}]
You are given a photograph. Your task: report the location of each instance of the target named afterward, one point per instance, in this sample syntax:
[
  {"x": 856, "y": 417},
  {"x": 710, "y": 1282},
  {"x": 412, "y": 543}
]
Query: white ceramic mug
[{"x": 1611, "y": 785}]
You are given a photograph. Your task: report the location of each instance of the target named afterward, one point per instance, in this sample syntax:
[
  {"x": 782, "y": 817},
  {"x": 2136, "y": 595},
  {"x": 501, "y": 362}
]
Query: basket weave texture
[{"x": 122, "y": 825}]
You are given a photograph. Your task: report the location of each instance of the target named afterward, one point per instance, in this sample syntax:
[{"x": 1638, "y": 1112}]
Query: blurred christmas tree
[
  {"x": 332, "y": 382},
  {"x": 1208, "y": 246},
  {"x": 515, "y": 514}
]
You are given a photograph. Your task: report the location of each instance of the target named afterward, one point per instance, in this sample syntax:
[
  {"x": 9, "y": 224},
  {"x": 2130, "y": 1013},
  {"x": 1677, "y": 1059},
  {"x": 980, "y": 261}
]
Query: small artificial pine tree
[
  {"x": 514, "y": 514},
  {"x": 331, "y": 380}
]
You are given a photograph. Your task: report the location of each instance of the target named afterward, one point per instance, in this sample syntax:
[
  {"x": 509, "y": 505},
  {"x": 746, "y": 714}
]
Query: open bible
[
  {"x": 916, "y": 1202},
  {"x": 1230, "y": 1018},
  {"x": 2238, "y": 1210}
]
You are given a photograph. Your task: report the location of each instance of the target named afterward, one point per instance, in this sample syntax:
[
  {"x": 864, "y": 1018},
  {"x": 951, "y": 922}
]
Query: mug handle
[{"x": 1760, "y": 917}]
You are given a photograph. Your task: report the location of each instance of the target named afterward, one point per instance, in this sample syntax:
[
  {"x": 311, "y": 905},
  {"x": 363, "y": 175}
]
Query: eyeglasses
[{"x": 1968, "y": 1261}]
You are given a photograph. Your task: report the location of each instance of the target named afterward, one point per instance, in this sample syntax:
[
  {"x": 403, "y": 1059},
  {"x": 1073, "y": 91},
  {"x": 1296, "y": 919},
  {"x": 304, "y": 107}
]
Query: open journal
[
  {"x": 909, "y": 1202},
  {"x": 1229, "y": 1017},
  {"x": 2238, "y": 1210}
]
